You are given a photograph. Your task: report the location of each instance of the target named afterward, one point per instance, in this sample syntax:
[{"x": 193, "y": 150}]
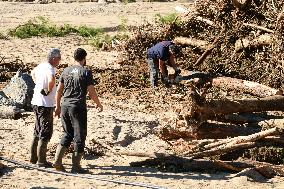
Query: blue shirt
[{"x": 160, "y": 51}]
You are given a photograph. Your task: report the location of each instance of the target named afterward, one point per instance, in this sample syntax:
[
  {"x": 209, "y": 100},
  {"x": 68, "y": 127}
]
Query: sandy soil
[{"x": 123, "y": 125}]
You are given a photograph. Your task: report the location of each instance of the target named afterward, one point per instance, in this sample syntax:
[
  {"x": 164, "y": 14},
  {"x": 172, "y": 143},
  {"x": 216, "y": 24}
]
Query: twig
[{"x": 258, "y": 27}]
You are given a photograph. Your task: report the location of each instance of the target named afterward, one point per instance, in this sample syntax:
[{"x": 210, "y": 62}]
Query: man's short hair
[
  {"x": 80, "y": 54},
  {"x": 174, "y": 49},
  {"x": 53, "y": 53}
]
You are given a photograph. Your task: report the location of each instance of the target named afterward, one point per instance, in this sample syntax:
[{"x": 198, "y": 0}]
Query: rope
[{"x": 82, "y": 176}]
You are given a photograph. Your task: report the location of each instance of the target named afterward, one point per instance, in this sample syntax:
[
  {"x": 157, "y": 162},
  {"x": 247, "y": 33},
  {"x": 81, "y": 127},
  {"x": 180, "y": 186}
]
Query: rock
[{"x": 19, "y": 91}]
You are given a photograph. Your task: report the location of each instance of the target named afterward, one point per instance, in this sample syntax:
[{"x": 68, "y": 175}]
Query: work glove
[
  {"x": 44, "y": 92},
  {"x": 177, "y": 72}
]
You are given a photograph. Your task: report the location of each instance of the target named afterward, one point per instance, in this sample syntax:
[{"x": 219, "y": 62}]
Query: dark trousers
[
  {"x": 74, "y": 121},
  {"x": 154, "y": 71},
  {"x": 44, "y": 122}
]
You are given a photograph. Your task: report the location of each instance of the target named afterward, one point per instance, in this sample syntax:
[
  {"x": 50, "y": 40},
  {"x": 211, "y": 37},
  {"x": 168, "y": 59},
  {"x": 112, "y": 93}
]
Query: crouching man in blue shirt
[{"x": 158, "y": 56}]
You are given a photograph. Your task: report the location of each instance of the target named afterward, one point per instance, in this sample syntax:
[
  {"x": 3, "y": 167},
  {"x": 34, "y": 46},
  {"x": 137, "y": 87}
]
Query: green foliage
[
  {"x": 167, "y": 19},
  {"x": 100, "y": 40},
  {"x": 42, "y": 27},
  {"x": 128, "y": 1},
  {"x": 86, "y": 31},
  {"x": 122, "y": 26}
]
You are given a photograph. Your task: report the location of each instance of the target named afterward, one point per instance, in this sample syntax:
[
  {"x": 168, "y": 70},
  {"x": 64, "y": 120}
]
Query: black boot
[
  {"x": 76, "y": 167},
  {"x": 41, "y": 154},
  {"x": 60, "y": 151},
  {"x": 33, "y": 150}
]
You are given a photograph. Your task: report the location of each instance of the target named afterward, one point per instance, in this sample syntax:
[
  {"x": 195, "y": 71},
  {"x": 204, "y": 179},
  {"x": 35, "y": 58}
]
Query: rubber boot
[
  {"x": 33, "y": 150},
  {"x": 41, "y": 154},
  {"x": 76, "y": 167},
  {"x": 60, "y": 151}
]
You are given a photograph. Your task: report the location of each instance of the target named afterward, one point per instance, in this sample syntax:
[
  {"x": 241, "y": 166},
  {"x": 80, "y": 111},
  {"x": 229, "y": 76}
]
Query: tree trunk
[
  {"x": 201, "y": 44},
  {"x": 261, "y": 40},
  {"x": 210, "y": 109},
  {"x": 224, "y": 146},
  {"x": 250, "y": 87}
]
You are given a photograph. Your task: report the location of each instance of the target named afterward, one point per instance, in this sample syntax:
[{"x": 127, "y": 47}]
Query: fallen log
[
  {"x": 228, "y": 145},
  {"x": 207, "y": 21},
  {"x": 240, "y": 139},
  {"x": 206, "y": 110},
  {"x": 201, "y": 44},
  {"x": 173, "y": 129},
  {"x": 245, "y": 86},
  {"x": 260, "y": 41},
  {"x": 179, "y": 164}
]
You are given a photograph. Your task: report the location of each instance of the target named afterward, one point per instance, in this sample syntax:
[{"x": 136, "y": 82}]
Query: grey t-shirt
[{"x": 76, "y": 80}]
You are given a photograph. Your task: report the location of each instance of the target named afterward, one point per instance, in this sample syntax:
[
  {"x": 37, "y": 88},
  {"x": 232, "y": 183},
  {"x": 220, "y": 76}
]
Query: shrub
[{"x": 167, "y": 19}]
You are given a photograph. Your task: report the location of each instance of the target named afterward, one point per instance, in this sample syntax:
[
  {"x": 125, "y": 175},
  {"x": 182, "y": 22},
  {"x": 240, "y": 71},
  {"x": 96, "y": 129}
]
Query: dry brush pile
[{"x": 241, "y": 39}]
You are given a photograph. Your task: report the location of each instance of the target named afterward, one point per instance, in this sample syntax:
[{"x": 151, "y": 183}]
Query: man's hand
[
  {"x": 57, "y": 112},
  {"x": 100, "y": 107},
  {"x": 44, "y": 92}
]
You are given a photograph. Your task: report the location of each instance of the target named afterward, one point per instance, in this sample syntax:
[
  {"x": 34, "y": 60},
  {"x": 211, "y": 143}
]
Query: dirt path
[{"x": 124, "y": 125}]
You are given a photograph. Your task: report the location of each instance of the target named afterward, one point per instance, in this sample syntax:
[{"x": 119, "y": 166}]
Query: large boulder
[{"x": 18, "y": 92}]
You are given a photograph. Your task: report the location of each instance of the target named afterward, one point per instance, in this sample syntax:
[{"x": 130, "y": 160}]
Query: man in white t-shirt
[{"x": 43, "y": 106}]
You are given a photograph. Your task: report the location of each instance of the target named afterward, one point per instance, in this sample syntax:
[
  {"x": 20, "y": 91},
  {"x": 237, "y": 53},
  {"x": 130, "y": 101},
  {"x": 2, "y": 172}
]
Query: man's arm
[
  {"x": 162, "y": 68},
  {"x": 58, "y": 95},
  {"x": 94, "y": 96},
  {"x": 33, "y": 75},
  {"x": 51, "y": 82}
]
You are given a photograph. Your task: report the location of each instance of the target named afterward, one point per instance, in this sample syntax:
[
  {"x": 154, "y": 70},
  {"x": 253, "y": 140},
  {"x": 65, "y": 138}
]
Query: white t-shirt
[{"x": 42, "y": 72}]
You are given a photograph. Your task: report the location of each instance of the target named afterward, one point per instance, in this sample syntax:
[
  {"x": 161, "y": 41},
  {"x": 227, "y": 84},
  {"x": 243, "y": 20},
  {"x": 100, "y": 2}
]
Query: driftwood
[
  {"x": 215, "y": 43},
  {"x": 207, "y": 21},
  {"x": 209, "y": 109},
  {"x": 250, "y": 87},
  {"x": 221, "y": 147},
  {"x": 240, "y": 139},
  {"x": 173, "y": 163},
  {"x": 280, "y": 17},
  {"x": 245, "y": 43},
  {"x": 201, "y": 44},
  {"x": 206, "y": 130},
  {"x": 258, "y": 27}
]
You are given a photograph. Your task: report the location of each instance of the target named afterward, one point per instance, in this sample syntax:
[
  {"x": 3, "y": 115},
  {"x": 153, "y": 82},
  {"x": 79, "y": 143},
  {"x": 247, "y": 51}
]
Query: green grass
[
  {"x": 42, "y": 27},
  {"x": 167, "y": 19}
]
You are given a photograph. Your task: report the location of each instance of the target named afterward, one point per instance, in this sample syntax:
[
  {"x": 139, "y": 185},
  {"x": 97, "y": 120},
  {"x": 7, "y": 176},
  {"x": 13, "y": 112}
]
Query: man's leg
[
  {"x": 65, "y": 140},
  {"x": 79, "y": 120},
  {"x": 45, "y": 130},
  {"x": 34, "y": 143},
  {"x": 153, "y": 72}
]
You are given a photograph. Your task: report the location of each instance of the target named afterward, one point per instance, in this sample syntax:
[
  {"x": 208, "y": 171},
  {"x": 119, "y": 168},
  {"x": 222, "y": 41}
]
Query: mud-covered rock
[{"x": 19, "y": 91}]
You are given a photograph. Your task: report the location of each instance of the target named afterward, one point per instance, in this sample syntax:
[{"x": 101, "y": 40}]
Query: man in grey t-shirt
[{"x": 74, "y": 84}]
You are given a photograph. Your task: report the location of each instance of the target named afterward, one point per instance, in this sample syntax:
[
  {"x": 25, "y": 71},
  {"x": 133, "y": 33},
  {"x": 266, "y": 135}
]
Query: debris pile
[{"x": 236, "y": 113}]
